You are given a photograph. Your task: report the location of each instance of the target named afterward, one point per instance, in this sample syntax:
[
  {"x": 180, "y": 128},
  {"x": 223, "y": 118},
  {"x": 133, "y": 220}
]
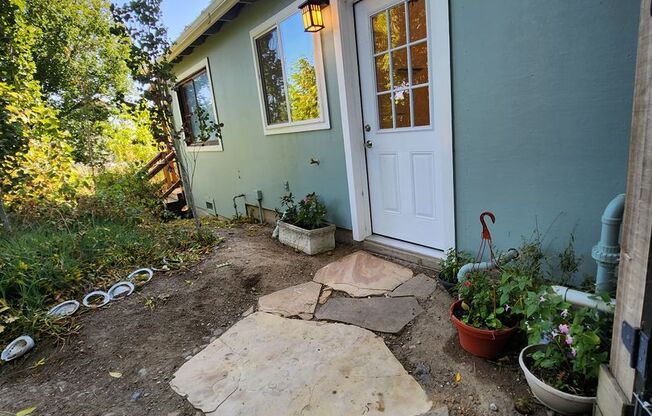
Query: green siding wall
[
  {"x": 542, "y": 94},
  {"x": 250, "y": 159}
]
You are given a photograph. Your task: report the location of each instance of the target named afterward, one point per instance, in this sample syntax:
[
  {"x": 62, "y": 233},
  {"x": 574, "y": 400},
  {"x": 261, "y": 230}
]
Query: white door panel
[{"x": 406, "y": 110}]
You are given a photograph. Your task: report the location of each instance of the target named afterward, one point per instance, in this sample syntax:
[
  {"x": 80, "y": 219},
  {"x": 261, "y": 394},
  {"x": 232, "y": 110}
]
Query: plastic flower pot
[
  {"x": 563, "y": 403},
  {"x": 485, "y": 343}
]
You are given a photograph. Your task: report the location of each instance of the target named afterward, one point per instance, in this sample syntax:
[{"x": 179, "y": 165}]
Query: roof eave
[{"x": 211, "y": 14}]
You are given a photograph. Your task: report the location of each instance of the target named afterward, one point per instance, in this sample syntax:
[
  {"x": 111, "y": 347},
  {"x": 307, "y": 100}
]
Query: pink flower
[
  {"x": 564, "y": 313},
  {"x": 507, "y": 308},
  {"x": 467, "y": 283},
  {"x": 563, "y": 328},
  {"x": 542, "y": 298},
  {"x": 569, "y": 340},
  {"x": 573, "y": 352}
]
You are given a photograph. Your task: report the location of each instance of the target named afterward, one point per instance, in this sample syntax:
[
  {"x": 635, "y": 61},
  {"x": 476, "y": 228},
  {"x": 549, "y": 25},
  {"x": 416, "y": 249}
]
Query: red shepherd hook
[{"x": 486, "y": 236}]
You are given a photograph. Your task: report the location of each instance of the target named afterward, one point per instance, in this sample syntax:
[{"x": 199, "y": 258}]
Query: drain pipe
[
  {"x": 589, "y": 300},
  {"x": 607, "y": 252},
  {"x": 510, "y": 255},
  {"x": 235, "y": 206}
]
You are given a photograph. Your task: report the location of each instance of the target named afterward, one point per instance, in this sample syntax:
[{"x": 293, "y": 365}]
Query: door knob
[{"x": 368, "y": 144}]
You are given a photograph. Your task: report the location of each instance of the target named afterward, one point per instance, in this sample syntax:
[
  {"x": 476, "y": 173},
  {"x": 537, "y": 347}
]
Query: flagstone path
[{"x": 267, "y": 364}]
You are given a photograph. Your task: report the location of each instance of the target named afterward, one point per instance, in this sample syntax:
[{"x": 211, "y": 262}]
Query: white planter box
[{"x": 309, "y": 241}]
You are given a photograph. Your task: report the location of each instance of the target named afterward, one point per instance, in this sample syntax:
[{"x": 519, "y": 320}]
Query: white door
[{"x": 405, "y": 83}]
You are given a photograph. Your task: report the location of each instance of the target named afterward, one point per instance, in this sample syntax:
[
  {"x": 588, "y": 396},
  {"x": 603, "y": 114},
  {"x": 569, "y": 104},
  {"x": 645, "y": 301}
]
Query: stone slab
[
  {"x": 267, "y": 365},
  {"x": 420, "y": 287},
  {"x": 441, "y": 411},
  {"x": 378, "y": 314},
  {"x": 299, "y": 300},
  {"x": 361, "y": 274}
]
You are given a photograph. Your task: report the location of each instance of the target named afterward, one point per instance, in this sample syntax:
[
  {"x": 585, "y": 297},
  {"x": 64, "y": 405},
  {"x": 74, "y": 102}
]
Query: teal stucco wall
[
  {"x": 250, "y": 159},
  {"x": 542, "y": 98}
]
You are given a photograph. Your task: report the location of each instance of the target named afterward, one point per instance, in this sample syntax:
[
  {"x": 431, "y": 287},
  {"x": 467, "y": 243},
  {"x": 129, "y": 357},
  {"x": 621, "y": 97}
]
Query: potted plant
[
  {"x": 488, "y": 312},
  {"x": 451, "y": 265},
  {"x": 302, "y": 225},
  {"x": 568, "y": 345}
]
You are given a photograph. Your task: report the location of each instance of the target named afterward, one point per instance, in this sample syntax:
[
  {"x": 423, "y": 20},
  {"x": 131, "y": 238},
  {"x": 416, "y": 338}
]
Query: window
[
  {"x": 401, "y": 65},
  {"x": 197, "y": 109},
  {"x": 290, "y": 74}
]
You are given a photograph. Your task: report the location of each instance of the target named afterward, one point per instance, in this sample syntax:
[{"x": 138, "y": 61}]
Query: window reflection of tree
[
  {"x": 302, "y": 91},
  {"x": 272, "y": 77}
]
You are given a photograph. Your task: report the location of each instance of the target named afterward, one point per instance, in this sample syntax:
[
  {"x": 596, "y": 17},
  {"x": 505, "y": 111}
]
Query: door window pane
[
  {"x": 382, "y": 73},
  {"x": 385, "y": 111},
  {"x": 419, "y": 55},
  {"x": 397, "y": 25},
  {"x": 417, "y": 10},
  {"x": 271, "y": 69},
  {"x": 402, "y": 108},
  {"x": 379, "y": 25},
  {"x": 400, "y": 68},
  {"x": 421, "y": 106}
]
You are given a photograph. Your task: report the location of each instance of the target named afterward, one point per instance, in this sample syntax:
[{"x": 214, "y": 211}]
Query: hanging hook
[{"x": 486, "y": 235}]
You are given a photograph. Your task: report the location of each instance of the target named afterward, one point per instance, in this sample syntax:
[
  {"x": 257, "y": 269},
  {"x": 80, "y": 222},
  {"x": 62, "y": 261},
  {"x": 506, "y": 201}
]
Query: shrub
[
  {"x": 309, "y": 213},
  {"x": 577, "y": 342},
  {"x": 452, "y": 264},
  {"x": 491, "y": 304}
]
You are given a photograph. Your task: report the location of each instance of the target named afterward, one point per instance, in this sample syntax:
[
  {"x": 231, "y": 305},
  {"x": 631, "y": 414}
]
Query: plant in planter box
[
  {"x": 302, "y": 225},
  {"x": 563, "y": 370},
  {"x": 451, "y": 265},
  {"x": 489, "y": 311}
]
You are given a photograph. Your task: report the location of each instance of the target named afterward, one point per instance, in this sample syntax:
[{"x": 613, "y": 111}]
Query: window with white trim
[
  {"x": 197, "y": 108},
  {"x": 290, "y": 75}
]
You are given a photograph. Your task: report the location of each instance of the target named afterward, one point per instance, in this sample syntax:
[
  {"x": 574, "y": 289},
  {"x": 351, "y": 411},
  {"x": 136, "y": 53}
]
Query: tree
[
  {"x": 302, "y": 89},
  {"x": 150, "y": 67},
  {"x": 19, "y": 92},
  {"x": 80, "y": 56}
]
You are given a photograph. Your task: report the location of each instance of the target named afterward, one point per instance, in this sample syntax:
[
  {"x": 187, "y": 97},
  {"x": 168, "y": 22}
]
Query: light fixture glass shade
[{"x": 311, "y": 14}]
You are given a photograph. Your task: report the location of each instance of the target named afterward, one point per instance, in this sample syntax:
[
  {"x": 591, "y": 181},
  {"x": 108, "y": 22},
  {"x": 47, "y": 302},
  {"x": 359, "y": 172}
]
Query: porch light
[{"x": 311, "y": 14}]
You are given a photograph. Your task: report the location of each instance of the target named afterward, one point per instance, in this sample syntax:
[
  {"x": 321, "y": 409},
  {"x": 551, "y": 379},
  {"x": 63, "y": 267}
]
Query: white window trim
[
  {"x": 323, "y": 122},
  {"x": 212, "y": 146}
]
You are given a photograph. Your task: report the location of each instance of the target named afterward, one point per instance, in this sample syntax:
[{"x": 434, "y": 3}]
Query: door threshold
[{"x": 426, "y": 257}]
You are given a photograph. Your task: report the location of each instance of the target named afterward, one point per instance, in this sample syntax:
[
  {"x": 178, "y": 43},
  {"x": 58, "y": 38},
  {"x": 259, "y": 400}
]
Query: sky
[{"x": 177, "y": 14}]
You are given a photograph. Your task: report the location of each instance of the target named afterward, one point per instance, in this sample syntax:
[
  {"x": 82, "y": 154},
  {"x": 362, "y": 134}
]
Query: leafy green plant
[
  {"x": 577, "y": 342},
  {"x": 452, "y": 263},
  {"x": 309, "y": 213},
  {"x": 493, "y": 304}
]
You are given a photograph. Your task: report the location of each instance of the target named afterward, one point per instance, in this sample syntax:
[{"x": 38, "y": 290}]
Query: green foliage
[
  {"x": 452, "y": 263},
  {"x": 309, "y": 213},
  {"x": 81, "y": 64},
  {"x": 578, "y": 341},
  {"x": 128, "y": 136},
  {"x": 112, "y": 231},
  {"x": 491, "y": 304},
  {"x": 302, "y": 91}
]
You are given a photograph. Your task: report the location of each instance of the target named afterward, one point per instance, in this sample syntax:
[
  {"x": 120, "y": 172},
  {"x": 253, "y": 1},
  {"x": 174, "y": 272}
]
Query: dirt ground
[{"x": 150, "y": 334}]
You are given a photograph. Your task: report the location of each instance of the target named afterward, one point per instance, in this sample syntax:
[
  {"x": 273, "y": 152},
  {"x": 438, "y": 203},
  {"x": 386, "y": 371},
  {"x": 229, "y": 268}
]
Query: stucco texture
[{"x": 542, "y": 98}]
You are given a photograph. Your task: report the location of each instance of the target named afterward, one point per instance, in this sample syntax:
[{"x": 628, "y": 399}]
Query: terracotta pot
[
  {"x": 557, "y": 400},
  {"x": 483, "y": 343}
]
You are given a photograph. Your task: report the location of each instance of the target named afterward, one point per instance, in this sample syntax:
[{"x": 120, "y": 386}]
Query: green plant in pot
[
  {"x": 302, "y": 225},
  {"x": 451, "y": 265},
  {"x": 568, "y": 345},
  {"x": 489, "y": 311}
]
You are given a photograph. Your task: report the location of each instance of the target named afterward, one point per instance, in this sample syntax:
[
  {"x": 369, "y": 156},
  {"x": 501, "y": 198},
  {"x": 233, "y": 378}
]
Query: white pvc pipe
[{"x": 589, "y": 300}]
